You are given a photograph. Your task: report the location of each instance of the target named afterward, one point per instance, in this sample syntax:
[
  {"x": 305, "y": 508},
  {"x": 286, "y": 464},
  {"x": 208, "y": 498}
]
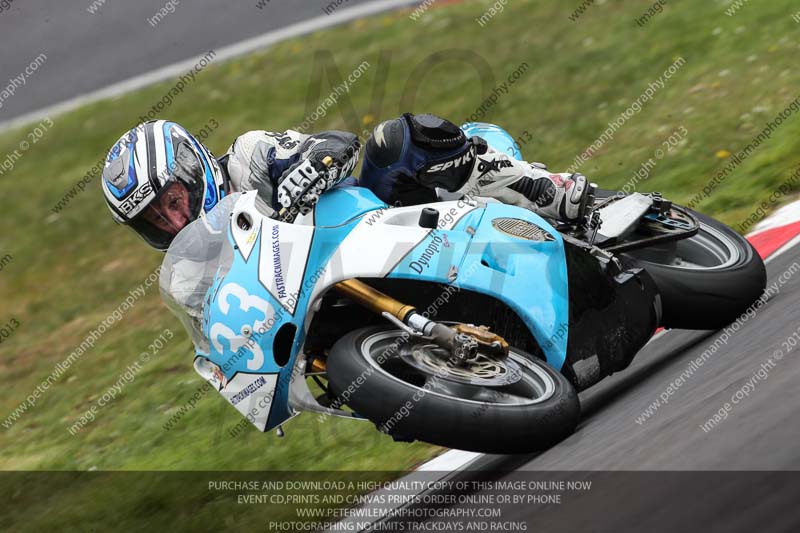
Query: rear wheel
[
  {"x": 706, "y": 281},
  {"x": 408, "y": 389}
]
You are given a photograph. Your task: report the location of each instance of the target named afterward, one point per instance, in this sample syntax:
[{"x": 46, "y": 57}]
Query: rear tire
[
  {"x": 705, "y": 297},
  {"x": 390, "y": 391}
]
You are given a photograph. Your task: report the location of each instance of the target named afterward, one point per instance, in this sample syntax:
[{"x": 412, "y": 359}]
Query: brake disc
[{"x": 483, "y": 370}]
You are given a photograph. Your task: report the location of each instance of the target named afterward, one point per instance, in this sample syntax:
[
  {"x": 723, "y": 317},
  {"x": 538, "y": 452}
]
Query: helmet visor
[{"x": 177, "y": 203}]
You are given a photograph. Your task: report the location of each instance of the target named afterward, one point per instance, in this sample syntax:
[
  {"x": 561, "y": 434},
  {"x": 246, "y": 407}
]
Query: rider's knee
[{"x": 416, "y": 151}]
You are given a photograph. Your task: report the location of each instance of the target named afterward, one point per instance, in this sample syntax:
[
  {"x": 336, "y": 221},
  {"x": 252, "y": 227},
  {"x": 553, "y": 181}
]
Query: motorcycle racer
[{"x": 158, "y": 177}]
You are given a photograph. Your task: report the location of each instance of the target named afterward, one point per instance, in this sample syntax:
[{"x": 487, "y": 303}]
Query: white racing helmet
[{"x": 145, "y": 162}]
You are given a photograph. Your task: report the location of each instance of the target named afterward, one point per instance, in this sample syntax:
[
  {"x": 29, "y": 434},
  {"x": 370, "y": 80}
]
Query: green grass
[{"x": 70, "y": 270}]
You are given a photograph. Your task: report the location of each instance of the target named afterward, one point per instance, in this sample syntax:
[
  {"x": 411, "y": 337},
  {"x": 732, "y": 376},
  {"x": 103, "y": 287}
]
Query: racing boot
[
  {"x": 497, "y": 175},
  {"x": 558, "y": 196}
]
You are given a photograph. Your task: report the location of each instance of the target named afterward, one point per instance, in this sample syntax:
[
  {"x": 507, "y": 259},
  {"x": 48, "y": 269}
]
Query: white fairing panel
[
  {"x": 284, "y": 254},
  {"x": 245, "y": 238},
  {"x": 382, "y": 238},
  {"x": 251, "y": 395}
]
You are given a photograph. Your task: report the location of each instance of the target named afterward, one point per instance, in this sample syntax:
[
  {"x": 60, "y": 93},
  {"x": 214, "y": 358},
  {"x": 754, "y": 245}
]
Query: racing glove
[
  {"x": 342, "y": 147},
  {"x": 302, "y": 186},
  {"x": 325, "y": 159},
  {"x": 262, "y": 159}
]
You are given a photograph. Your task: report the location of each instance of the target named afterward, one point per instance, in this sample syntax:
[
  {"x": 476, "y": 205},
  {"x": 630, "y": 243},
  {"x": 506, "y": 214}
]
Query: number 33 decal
[{"x": 246, "y": 302}]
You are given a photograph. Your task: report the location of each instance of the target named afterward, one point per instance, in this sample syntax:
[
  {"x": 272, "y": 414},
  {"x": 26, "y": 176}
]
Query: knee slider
[
  {"x": 430, "y": 131},
  {"x": 417, "y": 149}
]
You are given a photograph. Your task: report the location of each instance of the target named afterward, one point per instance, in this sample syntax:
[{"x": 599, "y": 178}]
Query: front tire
[{"x": 491, "y": 406}]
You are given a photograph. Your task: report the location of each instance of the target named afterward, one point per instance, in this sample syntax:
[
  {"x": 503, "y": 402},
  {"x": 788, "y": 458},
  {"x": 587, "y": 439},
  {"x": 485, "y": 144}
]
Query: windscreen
[{"x": 196, "y": 256}]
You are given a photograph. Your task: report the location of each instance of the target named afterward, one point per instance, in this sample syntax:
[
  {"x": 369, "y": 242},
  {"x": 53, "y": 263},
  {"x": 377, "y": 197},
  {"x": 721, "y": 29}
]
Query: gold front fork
[
  {"x": 463, "y": 340},
  {"x": 370, "y": 298},
  {"x": 374, "y": 299}
]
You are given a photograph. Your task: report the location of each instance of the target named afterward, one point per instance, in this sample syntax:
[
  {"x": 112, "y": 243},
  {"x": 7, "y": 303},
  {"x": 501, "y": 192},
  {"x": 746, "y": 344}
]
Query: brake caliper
[{"x": 488, "y": 342}]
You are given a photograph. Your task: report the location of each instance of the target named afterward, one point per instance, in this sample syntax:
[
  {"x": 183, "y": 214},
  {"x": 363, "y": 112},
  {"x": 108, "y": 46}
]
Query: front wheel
[{"x": 405, "y": 386}]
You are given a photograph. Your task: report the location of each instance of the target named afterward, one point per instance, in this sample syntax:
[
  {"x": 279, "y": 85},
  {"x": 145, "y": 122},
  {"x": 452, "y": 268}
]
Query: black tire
[
  {"x": 705, "y": 296},
  {"x": 382, "y": 394}
]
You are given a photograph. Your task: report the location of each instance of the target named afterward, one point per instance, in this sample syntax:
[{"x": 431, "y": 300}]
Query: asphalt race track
[
  {"x": 118, "y": 43},
  {"x": 760, "y": 433}
]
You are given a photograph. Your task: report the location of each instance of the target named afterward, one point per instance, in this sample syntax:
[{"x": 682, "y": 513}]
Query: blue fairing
[
  {"x": 529, "y": 276},
  {"x": 495, "y": 136},
  {"x": 345, "y": 203}
]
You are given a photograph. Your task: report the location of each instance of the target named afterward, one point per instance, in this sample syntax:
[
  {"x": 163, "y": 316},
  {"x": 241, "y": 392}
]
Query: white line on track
[{"x": 449, "y": 461}]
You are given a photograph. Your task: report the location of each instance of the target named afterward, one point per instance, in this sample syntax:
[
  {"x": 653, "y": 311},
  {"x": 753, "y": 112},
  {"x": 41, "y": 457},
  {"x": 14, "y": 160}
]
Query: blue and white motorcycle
[{"x": 469, "y": 324}]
